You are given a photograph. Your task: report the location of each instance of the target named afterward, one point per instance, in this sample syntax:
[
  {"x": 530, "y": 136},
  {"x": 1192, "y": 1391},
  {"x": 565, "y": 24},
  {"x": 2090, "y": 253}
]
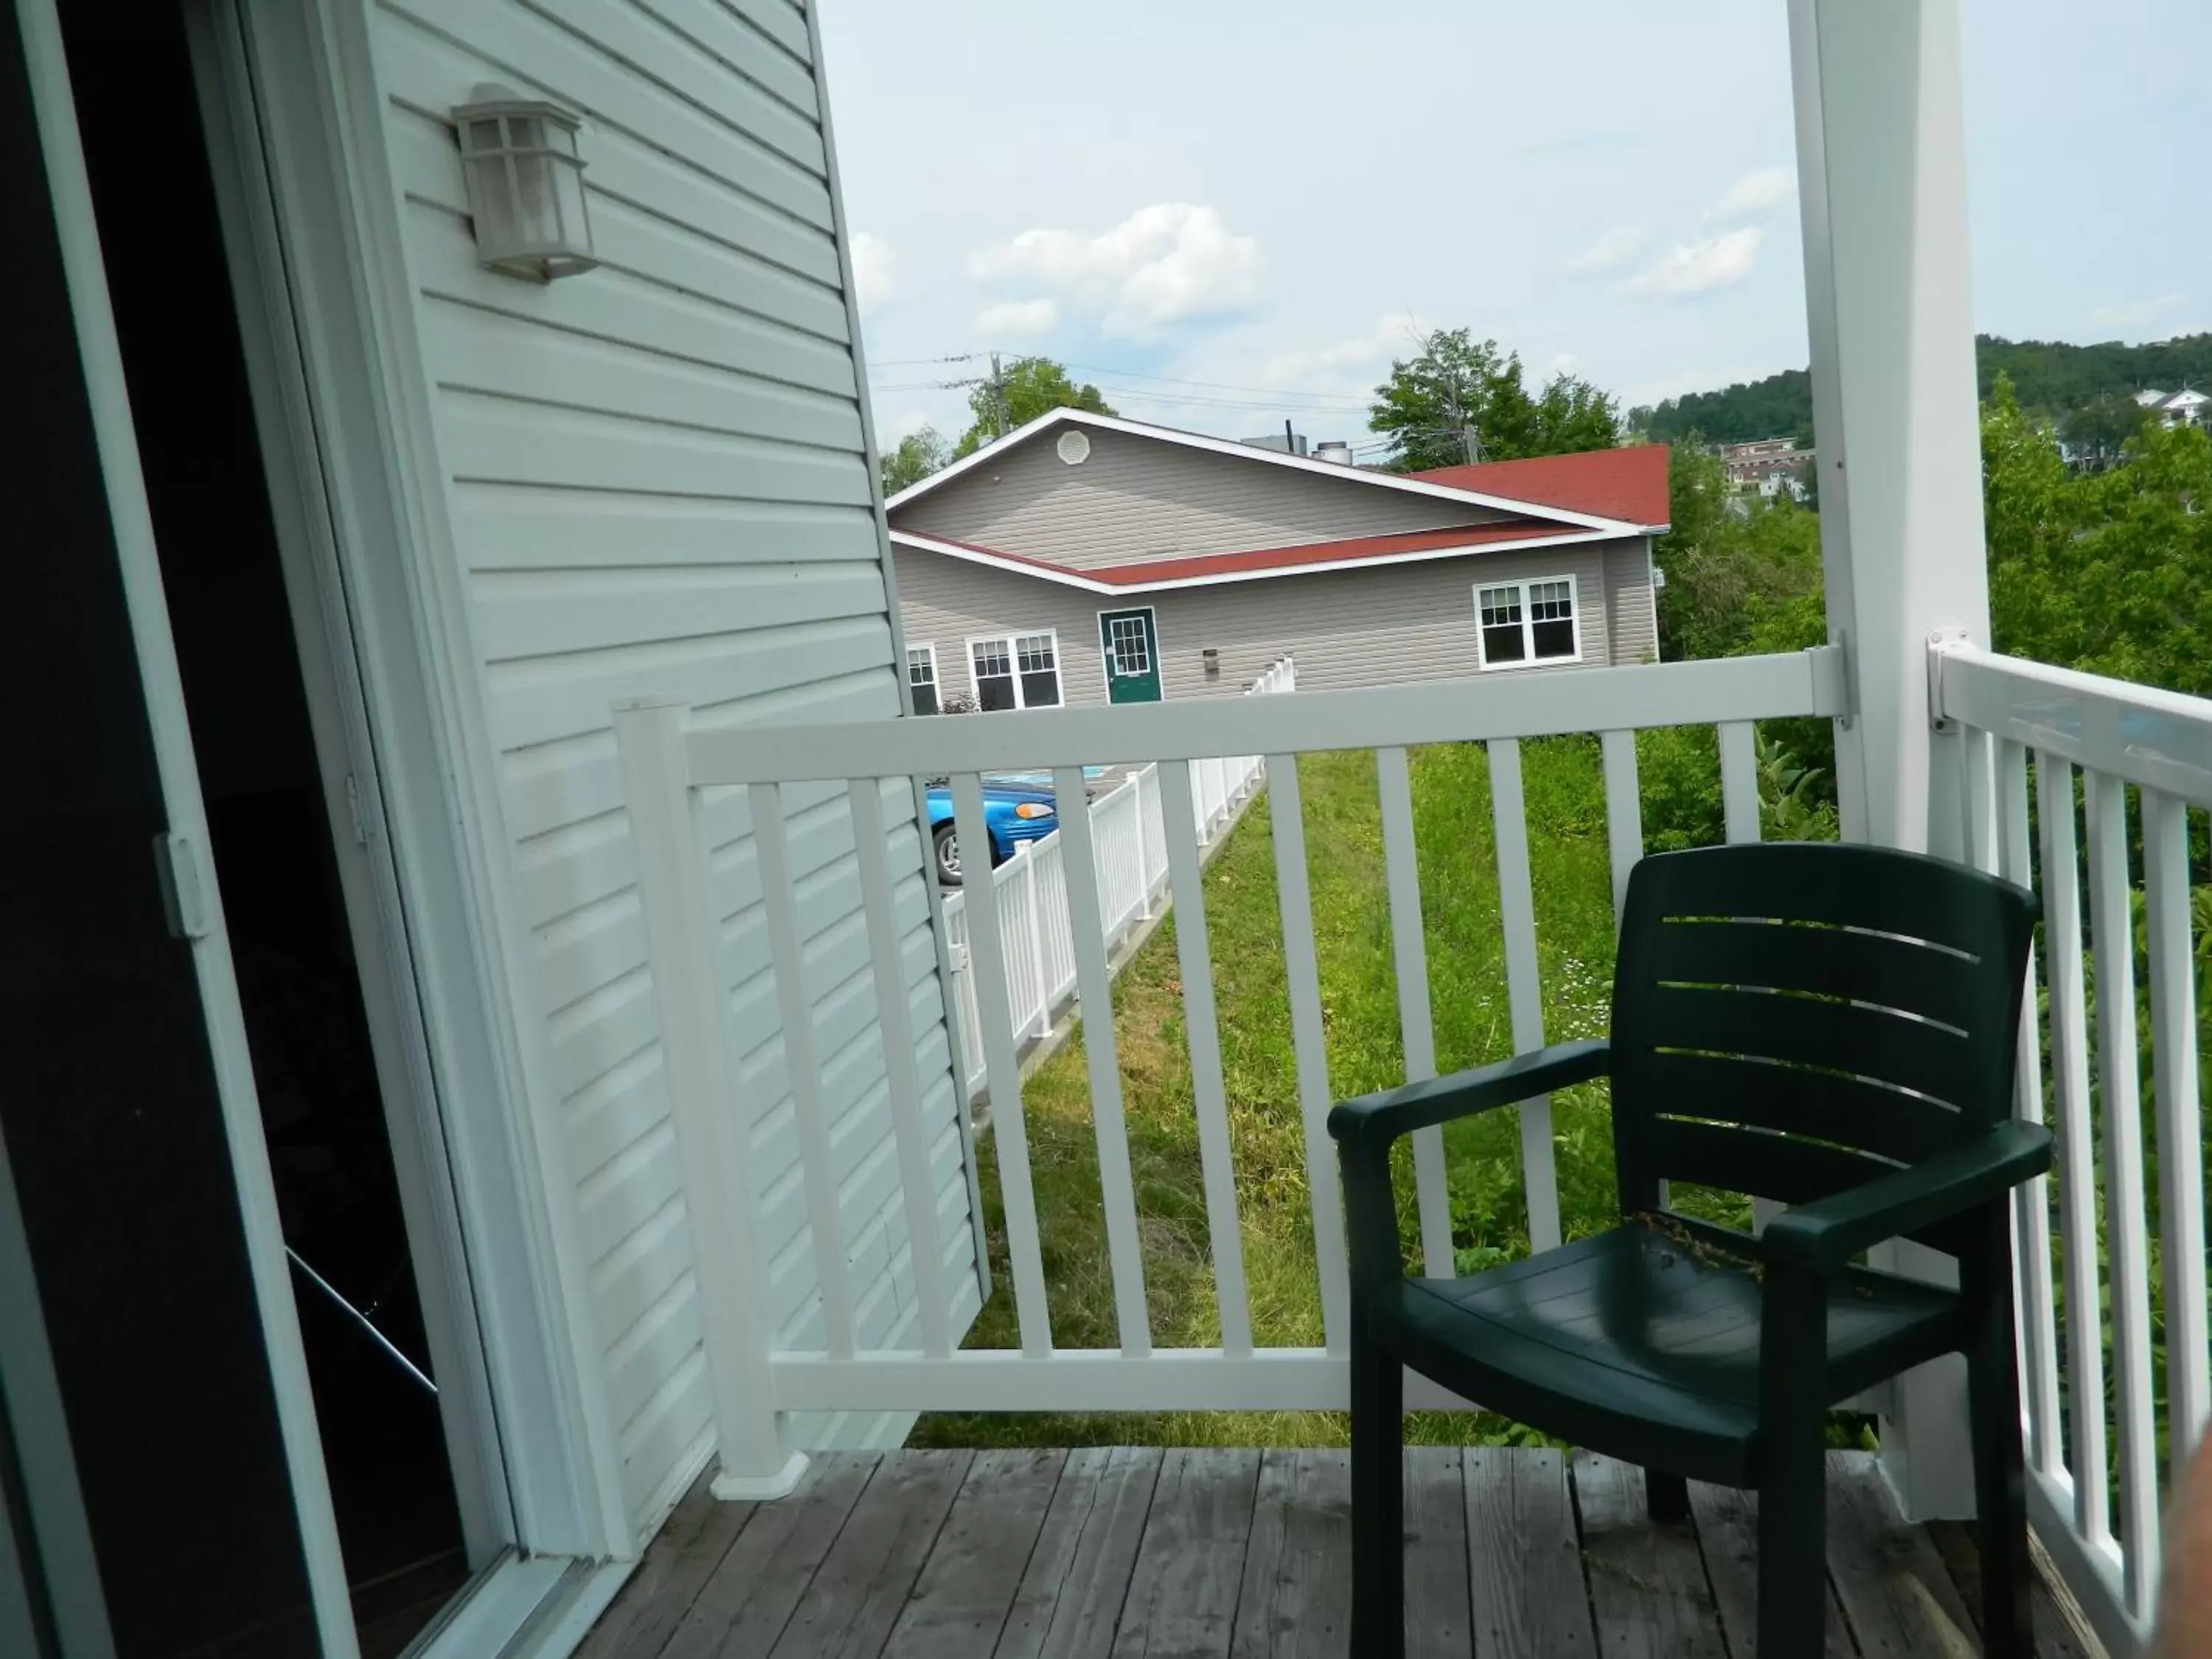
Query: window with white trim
[
  {"x": 1522, "y": 624},
  {"x": 1016, "y": 671},
  {"x": 921, "y": 678}
]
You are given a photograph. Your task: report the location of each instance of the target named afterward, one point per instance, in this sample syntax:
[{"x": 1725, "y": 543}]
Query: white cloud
[
  {"x": 1354, "y": 363},
  {"x": 2136, "y": 313},
  {"x": 907, "y": 425},
  {"x": 1756, "y": 192},
  {"x": 1013, "y": 319},
  {"x": 1613, "y": 250},
  {"x": 1719, "y": 261},
  {"x": 1162, "y": 265},
  {"x": 873, "y": 270}
]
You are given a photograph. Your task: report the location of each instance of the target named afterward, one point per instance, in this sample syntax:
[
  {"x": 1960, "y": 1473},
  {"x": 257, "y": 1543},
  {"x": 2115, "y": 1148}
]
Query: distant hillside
[{"x": 2050, "y": 377}]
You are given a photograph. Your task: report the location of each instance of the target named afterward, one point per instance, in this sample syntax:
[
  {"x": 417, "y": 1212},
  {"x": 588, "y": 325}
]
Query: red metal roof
[
  {"x": 1351, "y": 549},
  {"x": 1611, "y": 484}
]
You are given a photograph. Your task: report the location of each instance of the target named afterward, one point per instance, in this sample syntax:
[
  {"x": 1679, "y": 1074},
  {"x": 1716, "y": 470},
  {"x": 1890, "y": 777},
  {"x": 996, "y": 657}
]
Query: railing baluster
[
  {"x": 795, "y": 1014},
  {"x": 2038, "y": 1330},
  {"x": 986, "y": 965},
  {"x": 1978, "y": 785},
  {"x": 2180, "y": 1133},
  {"x": 1416, "y": 1028},
  {"x": 1094, "y": 991},
  {"x": 1207, "y": 1094},
  {"x": 2077, "y": 1154},
  {"x": 916, "y": 1195},
  {"x": 1739, "y": 781},
  {"x": 2120, "y": 1116},
  {"x": 1517, "y": 907},
  {"x": 1309, "y": 1043},
  {"x": 1623, "y": 812}
]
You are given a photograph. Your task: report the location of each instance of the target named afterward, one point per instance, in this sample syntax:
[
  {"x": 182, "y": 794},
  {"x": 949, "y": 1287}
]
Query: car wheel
[{"x": 946, "y": 843}]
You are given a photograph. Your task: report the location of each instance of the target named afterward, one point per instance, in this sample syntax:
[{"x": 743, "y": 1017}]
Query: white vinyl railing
[
  {"x": 665, "y": 763},
  {"x": 2097, "y": 1284},
  {"x": 1032, "y": 892}
]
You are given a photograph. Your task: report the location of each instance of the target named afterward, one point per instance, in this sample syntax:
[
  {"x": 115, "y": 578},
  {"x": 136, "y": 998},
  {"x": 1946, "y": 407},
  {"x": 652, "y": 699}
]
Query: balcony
[
  {"x": 2105, "y": 1414},
  {"x": 1239, "y": 1553}
]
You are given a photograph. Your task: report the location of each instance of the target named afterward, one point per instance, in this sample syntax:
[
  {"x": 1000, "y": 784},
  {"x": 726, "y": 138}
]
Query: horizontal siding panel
[
  {"x": 614, "y": 305},
  {"x": 541, "y": 701},
  {"x": 780, "y": 21},
  {"x": 616, "y": 1200},
  {"x": 667, "y": 1433},
  {"x": 1137, "y": 499},
  {"x": 530, "y": 614},
  {"x": 736, "y": 44},
  {"x": 641, "y": 1271},
  {"x": 477, "y": 350},
  {"x": 1631, "y": 606},
  {"x": 541, "y": 59},
  {"x": 511, "y": 442},
  {"x": 645, "y": 45},
  {"x": 516, "y": 527},
  {"x": 657, "y": 1344}
]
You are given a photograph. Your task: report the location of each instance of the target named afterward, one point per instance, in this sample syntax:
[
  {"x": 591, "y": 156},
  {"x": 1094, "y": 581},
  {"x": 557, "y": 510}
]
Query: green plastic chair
[{"x": 1832, "y": 1027}]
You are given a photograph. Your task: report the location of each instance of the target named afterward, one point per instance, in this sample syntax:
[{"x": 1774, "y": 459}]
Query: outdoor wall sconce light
[
  {"x": 1212, "y": 657},
  {"x": 526, "y": 183}
]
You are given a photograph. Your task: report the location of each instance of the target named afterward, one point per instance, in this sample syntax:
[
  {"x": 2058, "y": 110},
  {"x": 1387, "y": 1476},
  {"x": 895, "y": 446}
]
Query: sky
[{"x": 1225, "y": 214}]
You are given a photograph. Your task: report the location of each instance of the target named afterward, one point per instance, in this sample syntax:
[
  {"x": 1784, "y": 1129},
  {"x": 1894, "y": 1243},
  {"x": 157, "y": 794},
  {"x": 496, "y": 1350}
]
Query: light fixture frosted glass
[{"x": 526, "y": 183}]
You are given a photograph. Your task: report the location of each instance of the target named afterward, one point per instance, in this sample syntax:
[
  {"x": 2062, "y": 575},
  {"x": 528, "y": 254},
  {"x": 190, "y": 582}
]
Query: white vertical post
[
  {"x": 1144, "y": 878},
  {"x": 1889, "y": 309},
  {"x": 1739, "y": 781},
  {"x": 1624, "y": 813},
  {"x": 1524, "y": 990},
  {"x": 1042, "y": 970},
  {"x": 1409, "y": 956},
  {"x": 717, "y": 1194}
]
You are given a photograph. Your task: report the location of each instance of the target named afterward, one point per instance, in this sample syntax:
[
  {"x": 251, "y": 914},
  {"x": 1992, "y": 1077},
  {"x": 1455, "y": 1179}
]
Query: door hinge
[
  {"x": 352, "y": 809},
  {"x": 184, "y": 886}
]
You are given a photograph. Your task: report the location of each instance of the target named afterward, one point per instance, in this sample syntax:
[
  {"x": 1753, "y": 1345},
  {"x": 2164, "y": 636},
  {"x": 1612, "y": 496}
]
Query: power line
[{"x": 1217, "y": 386}]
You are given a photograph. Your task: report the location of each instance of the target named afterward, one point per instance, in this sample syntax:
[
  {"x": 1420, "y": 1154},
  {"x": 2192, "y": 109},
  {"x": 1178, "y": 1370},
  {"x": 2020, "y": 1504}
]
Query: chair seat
[{"x": 1632, "y": 1345}]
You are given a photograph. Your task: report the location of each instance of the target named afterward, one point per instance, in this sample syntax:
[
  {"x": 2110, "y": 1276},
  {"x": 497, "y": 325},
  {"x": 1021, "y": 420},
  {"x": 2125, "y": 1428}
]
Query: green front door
[{"x": 1131, "y": 642}]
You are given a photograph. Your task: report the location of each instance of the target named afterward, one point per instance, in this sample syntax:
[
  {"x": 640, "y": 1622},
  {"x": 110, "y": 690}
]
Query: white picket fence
[{"x": 1030, "y": 888}]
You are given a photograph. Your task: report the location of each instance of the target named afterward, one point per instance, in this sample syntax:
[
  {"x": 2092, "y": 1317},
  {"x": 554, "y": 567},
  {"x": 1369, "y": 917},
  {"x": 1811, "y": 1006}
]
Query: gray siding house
[{"x": 1088, "y": 559}]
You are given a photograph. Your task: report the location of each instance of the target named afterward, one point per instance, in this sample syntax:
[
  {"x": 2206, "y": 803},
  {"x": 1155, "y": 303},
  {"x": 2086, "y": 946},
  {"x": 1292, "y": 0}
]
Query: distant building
[
  {"x": 1770, "y": 466},
  {"x": 2186, "y": 407}
]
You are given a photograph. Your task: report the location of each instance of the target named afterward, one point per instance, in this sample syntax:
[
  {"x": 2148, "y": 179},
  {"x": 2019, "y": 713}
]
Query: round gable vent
[{"x": 1073, "y": 448}]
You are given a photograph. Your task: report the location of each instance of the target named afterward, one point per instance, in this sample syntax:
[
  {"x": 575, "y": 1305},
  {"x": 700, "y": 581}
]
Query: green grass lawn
[{"x": 1467, "y": 977}]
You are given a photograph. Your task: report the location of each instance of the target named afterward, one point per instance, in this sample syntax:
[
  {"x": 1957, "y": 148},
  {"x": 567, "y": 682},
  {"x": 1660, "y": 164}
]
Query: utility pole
[{"x": 1005, "y": 416}]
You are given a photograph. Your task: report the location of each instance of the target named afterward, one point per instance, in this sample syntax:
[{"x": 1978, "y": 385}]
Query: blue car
[{"x": 1014, "y": 812}]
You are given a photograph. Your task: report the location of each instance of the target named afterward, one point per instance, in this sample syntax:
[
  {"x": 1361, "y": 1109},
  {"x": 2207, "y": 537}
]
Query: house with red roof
[{"x": 1087, "y": 559}]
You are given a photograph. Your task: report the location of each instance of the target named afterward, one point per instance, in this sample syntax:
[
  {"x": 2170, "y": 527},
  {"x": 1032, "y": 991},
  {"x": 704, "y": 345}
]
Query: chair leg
[
  {"x": 2000, "y": 1473},
  {"x": 1793, "y": 1549},
  {"x": 1378, "y": 1501},
  {"x": 1665, "y": 1496}
]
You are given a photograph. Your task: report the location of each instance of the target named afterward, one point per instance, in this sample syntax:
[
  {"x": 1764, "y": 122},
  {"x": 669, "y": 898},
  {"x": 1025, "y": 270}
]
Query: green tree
[
  {"x": 1031, "y": 386},
  {"x": 917, "y": 456},
  {"x": 1459, "y": 398},
  {"x": 1740, "y": 575}
]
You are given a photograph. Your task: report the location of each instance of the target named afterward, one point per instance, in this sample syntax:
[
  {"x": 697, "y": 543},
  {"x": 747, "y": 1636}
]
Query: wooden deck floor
[{"x": 1120, "y": 1551}]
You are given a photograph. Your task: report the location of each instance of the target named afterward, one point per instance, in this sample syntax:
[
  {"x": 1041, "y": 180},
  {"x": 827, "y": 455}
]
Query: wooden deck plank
[
  {"x": 1896, "y": 1593},
  {"x": 744, "y": 1606},
  {"x": 2054, "y": 1634},
  {"x": 862, "y": 1586},
  {"x": 1296, "y": 1596},
  {"x": 1190, "y": 1565},
  {"x": 1438, "y": 1613},
  {"x": 1070, "y": 1601},
  {"x": 1525, "y": 1576},
  {"x": 1647, "y": 1580},
  {"x": 675, "y": 1567},
  {"x": 966, "y": 1585},
  {"x": 1726, "y": 1520}
]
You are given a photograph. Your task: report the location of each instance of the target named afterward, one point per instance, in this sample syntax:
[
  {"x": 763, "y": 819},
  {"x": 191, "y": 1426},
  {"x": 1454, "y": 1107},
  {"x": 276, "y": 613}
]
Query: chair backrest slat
[{"x": 1790, "y": 1018}]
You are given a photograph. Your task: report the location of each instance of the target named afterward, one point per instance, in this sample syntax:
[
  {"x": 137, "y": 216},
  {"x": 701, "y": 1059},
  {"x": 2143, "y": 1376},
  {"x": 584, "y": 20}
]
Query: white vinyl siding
[
  {"x": 658, "y": 482},
  {"x": 1136, "y": 500}
]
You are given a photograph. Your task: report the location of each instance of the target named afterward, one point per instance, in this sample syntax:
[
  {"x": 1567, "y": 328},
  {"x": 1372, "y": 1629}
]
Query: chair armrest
[
  {"x": 1824, "y": 1235},
  {"x": 1376, "y": 1120}
]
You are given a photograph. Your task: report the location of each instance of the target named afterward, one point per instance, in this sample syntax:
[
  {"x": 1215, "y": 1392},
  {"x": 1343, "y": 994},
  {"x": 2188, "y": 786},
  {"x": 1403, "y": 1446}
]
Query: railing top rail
[
  {"x": 1527, "y": 705},
  {"x": 2138, "y": 733}
]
